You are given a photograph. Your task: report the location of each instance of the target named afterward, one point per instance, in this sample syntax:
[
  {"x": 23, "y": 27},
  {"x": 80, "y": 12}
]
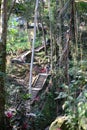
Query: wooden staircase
[
  {"x": 39, "y": 85},
  {"x": 25, "y": 57}
]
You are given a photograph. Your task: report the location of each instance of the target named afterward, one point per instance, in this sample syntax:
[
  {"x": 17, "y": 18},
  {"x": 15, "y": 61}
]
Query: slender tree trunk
[
  {"x": 10, "y": 10},
  {"x": 50, "y": 34},
  {"x": 29, "y": 39},
  {"x": 33, "y": 43},
  {"x": 77, "y": 30},
  {"x": 67, "y": 63},
  {"x": 41, "y": 20},
  {"x": 57, "y": 35},
  {"x": 73, "y": 32},
  {"x": 3, "y": 37},
  {"x": 72, "y": 22},
  {"x": 44, "y": 38},
  {"x": 62, "y": 25},
  {"x": 61, "y": 32}
]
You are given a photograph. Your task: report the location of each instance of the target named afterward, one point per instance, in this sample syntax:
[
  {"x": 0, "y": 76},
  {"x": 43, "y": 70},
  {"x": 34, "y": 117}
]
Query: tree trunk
[
  {"x": 3, "y": 37},
  {"x": 61, "y": 28},
  {"x": 73, "y": 33},
  {"x": 41, "y": 21},
  {"x": 32, "y": 57},
  {"x": 10, "y": 10},
  {"x": 2, "y": 87},
  {"x": 51, "y": 42},
  {"x": 44, "y": 38},
  {"x": 62, "y": 25},
  {"x": 72, "y": 22},
  {"x": 57, "y": 33}
]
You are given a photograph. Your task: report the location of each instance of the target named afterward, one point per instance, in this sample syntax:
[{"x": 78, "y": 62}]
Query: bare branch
[
  {"x": 63, "y": 10},
  {"x": 10, "y": 10}
]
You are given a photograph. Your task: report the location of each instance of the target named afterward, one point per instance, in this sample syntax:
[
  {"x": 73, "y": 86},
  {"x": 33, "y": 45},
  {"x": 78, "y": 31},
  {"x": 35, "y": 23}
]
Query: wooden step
[
  {"x": 38, "y": 86},
  {"x": 36, "y": 89}
]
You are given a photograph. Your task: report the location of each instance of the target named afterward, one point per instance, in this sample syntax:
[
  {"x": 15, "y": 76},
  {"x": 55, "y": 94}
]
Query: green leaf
[
  {"x": 66, "y": 105},
  {"x": 85, "y": 94},
  {"x": 26, "y": 96},
  {"x": 86, "y": 113},
  {"x": 62, "y": 95}
]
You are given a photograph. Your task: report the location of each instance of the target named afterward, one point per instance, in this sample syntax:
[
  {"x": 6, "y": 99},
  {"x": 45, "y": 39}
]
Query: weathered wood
[
  {"x": 25, "y": 56},
  {"x": 39, "y": 49},
  {"x": 36, "y": 89},
  {"x": 22, "y": 58},
  {"x": 38, "y": 86}
]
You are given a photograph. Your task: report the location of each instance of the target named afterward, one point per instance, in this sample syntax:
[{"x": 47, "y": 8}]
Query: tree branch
[{"x": 10, "y": 10}]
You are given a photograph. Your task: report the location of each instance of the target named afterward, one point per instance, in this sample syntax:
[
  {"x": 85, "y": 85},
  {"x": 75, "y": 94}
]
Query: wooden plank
[
  {"x": 36, "y": 89},
  {"x": 39, "y": 49}
]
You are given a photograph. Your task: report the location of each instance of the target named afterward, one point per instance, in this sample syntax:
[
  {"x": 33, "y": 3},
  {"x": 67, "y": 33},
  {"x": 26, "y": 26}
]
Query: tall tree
[
  {"x": 51, "y": 44},
  {"x": 3, "y": 39},
  {"x": 33, "y": 44},
  {"x": 3, "y": 35},
  {"x": 72, "y": 22}
]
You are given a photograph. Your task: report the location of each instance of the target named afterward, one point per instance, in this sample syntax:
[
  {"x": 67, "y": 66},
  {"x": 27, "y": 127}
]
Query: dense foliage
[{"x": 61, "y": 34}]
